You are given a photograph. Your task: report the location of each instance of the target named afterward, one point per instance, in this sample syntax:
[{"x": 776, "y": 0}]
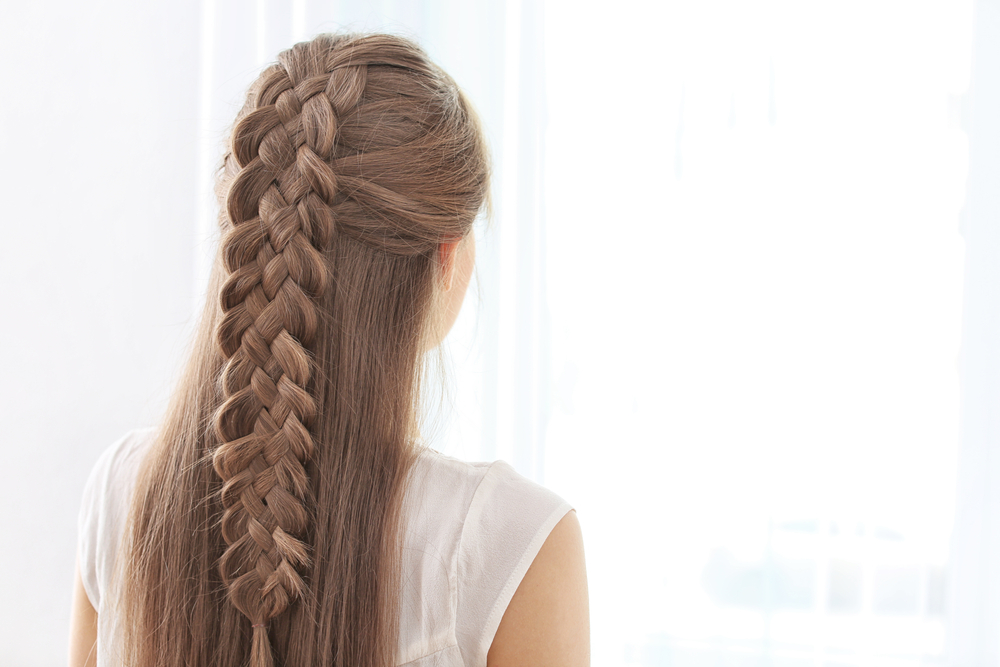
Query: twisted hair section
[{"x": 273, "y": 535}]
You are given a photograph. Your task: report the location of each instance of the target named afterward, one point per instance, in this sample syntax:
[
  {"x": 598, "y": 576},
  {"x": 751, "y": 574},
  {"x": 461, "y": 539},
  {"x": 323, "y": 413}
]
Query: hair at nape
[{"x": 265, "y": 526}]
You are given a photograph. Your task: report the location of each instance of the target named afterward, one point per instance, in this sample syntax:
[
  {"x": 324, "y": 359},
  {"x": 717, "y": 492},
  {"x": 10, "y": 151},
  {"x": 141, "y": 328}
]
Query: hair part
[{"x": 265, "y": 526}]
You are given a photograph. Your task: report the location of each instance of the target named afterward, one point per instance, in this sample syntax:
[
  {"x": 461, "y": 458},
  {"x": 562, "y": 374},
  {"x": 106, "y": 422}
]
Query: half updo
[{"x": 266, "y": 523}]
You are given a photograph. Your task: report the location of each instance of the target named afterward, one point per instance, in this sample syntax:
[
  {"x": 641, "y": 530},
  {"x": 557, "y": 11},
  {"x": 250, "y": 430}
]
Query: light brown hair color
[{"x": 265, "y": 528}]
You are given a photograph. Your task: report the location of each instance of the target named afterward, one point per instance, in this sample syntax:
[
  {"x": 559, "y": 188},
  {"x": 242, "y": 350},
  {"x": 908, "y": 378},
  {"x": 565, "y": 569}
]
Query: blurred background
[{"x": 739, "y": 302}]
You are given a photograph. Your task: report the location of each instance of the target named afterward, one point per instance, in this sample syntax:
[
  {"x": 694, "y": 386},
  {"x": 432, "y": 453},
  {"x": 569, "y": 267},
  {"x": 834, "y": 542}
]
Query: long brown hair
[{"x": 265, "y": 526}]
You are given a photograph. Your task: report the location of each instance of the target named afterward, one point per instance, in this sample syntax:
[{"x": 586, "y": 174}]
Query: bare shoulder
[
  {"x": 83, "y": 628},
  {"x": 548, "y": 620}
]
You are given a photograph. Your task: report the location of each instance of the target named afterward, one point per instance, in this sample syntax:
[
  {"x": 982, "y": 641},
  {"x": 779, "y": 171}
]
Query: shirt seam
[{"x": 458, "y": 555}]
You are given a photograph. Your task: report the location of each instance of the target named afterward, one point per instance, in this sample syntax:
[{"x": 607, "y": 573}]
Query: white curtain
[
  {"x": 755, "y": 295},
  {"x": 719, "y": 307},
  {"x": 974, "y": 613}
]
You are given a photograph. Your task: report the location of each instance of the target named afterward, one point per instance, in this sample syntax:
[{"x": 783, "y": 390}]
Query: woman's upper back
[{"x": 471, "y": 531}]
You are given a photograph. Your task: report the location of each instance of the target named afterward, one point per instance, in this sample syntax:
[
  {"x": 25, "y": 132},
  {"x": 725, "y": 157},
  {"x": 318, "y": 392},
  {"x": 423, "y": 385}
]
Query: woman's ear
[
  {"x": 456, "y": 262},
  {"x": 447, "y": 257}
]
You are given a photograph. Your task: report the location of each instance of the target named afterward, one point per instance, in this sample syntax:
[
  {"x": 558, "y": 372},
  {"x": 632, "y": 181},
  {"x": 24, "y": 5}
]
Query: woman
[{"x": 285, "y": 512}]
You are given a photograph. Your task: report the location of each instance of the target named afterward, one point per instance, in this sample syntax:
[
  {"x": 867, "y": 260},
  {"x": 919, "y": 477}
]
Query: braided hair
[{"x": 265, "y": 526}]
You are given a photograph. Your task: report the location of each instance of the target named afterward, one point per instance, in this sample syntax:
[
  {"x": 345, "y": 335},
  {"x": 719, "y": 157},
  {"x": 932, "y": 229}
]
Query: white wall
[{"x": 98, "y": 134}]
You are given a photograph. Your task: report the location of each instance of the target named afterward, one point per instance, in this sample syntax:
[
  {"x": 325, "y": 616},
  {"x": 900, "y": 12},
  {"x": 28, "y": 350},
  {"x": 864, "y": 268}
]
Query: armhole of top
[
  {"x": 509, "y": 519},
  {"x": 89, "y": 522},
  {"x": 516, "y": 576}
]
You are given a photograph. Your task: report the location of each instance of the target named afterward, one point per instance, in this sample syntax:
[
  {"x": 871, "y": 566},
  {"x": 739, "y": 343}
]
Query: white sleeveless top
[{"x": 471, "y": 531}]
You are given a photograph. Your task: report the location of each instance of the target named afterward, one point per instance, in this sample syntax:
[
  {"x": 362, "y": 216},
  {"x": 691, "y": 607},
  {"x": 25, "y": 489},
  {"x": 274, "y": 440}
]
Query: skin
[
  {"x": 547, "y": 621},
  {"x": 82, "y": 628},
  {"x": 457, "y": 260}
]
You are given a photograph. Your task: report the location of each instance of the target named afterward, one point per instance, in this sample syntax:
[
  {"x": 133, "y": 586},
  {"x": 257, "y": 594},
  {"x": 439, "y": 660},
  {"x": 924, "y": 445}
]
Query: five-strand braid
[{"x": 280, "y": 208}]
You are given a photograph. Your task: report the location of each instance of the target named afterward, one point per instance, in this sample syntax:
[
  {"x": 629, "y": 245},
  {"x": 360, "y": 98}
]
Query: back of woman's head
[{"x": 267, "y": 519}]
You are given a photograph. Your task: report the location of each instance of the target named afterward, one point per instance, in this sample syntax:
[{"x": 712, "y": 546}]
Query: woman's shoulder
[
  {"x": 124, "y": 453},
  {"x": 104, "y": 507},
  {"x": 113, "y": 475},
  {"x": 470, "y": 501},
  {"x": 439, "y": 483},
  {"x": 444, "y": 480},
  {"x": 472, "y": 531}
]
